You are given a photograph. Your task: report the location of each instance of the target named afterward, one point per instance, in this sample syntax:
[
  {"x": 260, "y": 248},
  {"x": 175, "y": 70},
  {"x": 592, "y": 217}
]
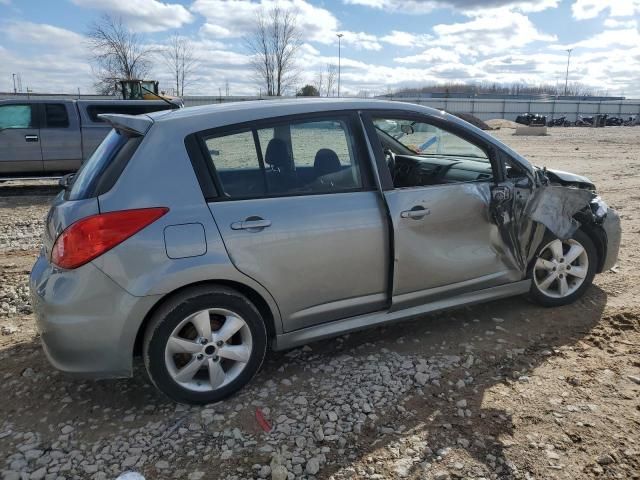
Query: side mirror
[
  {"x": 66, "y": 180},
  {"x": 501, "y": 193}
]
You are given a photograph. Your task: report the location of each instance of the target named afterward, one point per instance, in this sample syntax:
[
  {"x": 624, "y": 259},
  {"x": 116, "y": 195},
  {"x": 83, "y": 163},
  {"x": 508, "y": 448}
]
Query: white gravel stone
[
  {"x": 313, "y": 466},
  {"x": 67, "y": 429},
  {"x": 421, "y": 378},
  {"x": 279, "y": 472}
]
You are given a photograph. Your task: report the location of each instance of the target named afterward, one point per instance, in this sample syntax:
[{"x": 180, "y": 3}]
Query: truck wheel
[
  {"x": 204, "y": 344},
  {"x": 563, "y": 270}
]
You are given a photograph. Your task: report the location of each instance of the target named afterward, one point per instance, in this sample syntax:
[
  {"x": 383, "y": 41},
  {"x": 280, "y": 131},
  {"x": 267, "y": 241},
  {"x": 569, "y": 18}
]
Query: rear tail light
[{"x": 90, "y": 237}]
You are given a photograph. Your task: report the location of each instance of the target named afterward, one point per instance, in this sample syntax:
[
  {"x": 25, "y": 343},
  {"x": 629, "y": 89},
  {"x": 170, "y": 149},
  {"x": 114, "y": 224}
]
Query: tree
[
  {"x": 332, "y": 78},
  {"x": 319, "y": 82},
  {"x": 326, "y": 80},
  {"x": 179, "y": 58},
  {"x": 308, "y": 91},
  {"x": 117, "y": 53},
  {"x": 274, "y": 45}
]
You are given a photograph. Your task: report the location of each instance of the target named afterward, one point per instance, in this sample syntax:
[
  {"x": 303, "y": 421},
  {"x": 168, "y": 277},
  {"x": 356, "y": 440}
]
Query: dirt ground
[{"x": 511, "y": 390}]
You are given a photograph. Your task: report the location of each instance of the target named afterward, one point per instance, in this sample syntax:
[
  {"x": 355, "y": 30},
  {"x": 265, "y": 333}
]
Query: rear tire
[
  {"x": 204, "y": 344},
  {"x": 562, "y": 270}
]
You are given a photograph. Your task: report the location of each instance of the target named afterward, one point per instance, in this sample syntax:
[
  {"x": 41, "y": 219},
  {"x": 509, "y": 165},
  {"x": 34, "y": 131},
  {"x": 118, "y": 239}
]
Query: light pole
[
  {"x": 566, "y": 78},
  {"x": 339, "y": 35},
  {"x": 14, "y": 83}
]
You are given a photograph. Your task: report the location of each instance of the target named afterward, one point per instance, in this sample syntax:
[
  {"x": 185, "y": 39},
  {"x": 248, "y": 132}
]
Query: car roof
[
  {"x": 84, "y": 101},
  {"x": 187, "y": 120},
  {"x": 255, "y": 109}
]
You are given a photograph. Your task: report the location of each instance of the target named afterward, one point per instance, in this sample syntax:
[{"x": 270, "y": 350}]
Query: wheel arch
[
  {"x": 251, "y": 294},
  {"x": 597, "y": 235}
]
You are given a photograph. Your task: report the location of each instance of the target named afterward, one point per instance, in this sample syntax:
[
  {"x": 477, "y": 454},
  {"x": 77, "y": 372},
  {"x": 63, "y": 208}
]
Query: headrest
[
  {"x": 326, "y": 162},
  {"x": 277, "y": 155}
]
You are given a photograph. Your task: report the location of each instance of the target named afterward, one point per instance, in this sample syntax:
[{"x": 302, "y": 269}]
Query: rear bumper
[
  {"x": 613, "y": 231},
  {"x": 88, "y": 324}
]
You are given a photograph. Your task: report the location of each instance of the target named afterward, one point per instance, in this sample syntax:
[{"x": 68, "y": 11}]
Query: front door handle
[
  {"x": 254, "y": 224},
  {"x": 416, "y": 213},
  {"x": 31, "y": 138}
]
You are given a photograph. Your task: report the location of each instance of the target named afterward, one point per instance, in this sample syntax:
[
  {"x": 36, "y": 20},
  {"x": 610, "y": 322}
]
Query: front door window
[
  {"x": 420, "y": 154},
  {"x": 15, "y": 116}
]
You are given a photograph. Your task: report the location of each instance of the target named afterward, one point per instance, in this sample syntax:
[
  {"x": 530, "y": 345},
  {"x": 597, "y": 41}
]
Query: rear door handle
[
  {"x": 251, "y": 224},
  {"x": 416, "y": 213},
  {"x": 31, "y": 138}
]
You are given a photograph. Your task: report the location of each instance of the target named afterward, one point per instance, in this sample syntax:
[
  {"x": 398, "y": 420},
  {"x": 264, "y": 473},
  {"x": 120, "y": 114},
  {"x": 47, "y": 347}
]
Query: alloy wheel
[
  {"x": 208, "y": 349},
  {"x": 561, "y": 268}
]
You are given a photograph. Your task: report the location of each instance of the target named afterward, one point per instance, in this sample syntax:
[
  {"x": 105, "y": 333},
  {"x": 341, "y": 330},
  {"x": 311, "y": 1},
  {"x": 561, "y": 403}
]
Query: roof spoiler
[{"x": 136, "y": 124}]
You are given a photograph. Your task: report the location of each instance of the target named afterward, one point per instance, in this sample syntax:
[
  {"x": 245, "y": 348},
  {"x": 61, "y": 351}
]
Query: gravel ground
[{"x": 502, "y": 390}]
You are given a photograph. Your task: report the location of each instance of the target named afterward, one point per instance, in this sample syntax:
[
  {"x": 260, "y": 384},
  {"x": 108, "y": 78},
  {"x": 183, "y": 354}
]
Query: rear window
[
  {"x": 99, "y": 173},
  {"x": 95, "y": 110}
]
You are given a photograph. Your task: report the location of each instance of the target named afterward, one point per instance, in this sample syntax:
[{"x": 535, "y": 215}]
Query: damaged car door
[{"x": 438, "y": 188}]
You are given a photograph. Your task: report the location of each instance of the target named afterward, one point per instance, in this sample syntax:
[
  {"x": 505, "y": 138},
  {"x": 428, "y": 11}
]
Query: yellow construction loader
[{"x": 143, "y": 90}]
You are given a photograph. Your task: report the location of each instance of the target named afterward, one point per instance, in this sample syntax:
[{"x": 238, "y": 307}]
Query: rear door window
[
  {"x": 287, "y": 158},
  {"x": 237, "y": 164},
  {"x": 56, "y": 115},
  {"x": 16, "y": 116}
]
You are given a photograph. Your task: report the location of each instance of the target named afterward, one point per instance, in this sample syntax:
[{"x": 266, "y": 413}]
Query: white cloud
[
  {"x": 489, "y": 34},
  {"x": 309, "y": 49},
  {"x": 585, "y": 9},
  {"x": 430, "y": 56},
  {"x": 466, "y": 6},
  {"x": 613, "y": 23},
  {"x": 629, "y": 37},
  {"x": 361, "y": 40},
  {"x": 406, "y": 39},
  {"x": 236, "y": 18},
  {"x": 216, "y": 31},
  {"x": 50, "y": 58},
  {"x": 43, "y": 34},
  {"x": 143, "y": 15}
]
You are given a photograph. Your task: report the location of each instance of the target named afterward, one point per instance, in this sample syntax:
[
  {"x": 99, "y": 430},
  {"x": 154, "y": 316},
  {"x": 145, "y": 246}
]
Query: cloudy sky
[{"x": 386, "y": 43}]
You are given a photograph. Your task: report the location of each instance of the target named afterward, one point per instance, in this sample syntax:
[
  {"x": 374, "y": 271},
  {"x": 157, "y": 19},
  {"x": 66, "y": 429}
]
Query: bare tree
[
  {"x": 179, "y": 58},
  {"x": 117, "y": 53},
  {"x": 332, "y": 78},
  {"x": 319, "y": 82},
  {"x": 274, "y": 45},
  {"x": 575, "y": 89}
]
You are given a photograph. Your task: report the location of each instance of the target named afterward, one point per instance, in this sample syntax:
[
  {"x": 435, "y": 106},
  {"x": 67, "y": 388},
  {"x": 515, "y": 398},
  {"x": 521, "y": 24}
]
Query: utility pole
[
  {"x": 339, "y": 35},
  {"x": 566, "y": 78},
  {"x": 14, "y": 83}
]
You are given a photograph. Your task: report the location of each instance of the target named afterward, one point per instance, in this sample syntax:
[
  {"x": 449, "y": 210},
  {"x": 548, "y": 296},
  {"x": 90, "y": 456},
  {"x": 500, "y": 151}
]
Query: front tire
[
  {"x": 204, "y": 344},
  {"x": 563, "y": 270}
]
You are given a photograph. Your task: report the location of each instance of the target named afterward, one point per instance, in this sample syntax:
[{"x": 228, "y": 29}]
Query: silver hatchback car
[{"x": 203, "y": 236}]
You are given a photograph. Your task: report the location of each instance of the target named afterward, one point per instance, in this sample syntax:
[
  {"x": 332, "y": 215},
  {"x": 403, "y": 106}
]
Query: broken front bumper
[{"x": 613, "y": 231}]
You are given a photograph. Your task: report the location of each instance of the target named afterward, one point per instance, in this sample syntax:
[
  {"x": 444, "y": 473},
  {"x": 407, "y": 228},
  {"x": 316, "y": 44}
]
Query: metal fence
[
  {"x": 484, "y": 109},
  {"x": 488, "y": 109},
  {"x": 510, "y": 109}
]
